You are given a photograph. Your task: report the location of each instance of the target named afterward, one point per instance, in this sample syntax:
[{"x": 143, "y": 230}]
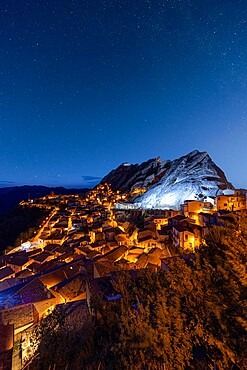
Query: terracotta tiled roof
[
  {"x": 28, "y": 292},
  {"x": 72, "y": 288},
  {"x": 180, "y": 228},
  {"x": 116, "y": 253},
  {"x": 16, "y": 259},
  {"x": 5, "y": 272},
  {"x": 41, "y": 257}
]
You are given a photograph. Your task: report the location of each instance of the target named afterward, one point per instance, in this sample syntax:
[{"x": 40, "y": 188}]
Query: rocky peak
[{"x": 169, "y": 183}]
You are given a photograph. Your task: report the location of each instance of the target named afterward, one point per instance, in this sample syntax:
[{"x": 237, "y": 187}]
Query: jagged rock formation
[
  {"x": 130, "y": 176},
  {"x": 169, "y": 183}
]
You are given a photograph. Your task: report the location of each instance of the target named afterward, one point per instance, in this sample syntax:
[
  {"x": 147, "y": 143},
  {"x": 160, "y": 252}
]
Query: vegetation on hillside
[
  {"x": 192, "y": 317},
  {"x": 19, "y": 225}
]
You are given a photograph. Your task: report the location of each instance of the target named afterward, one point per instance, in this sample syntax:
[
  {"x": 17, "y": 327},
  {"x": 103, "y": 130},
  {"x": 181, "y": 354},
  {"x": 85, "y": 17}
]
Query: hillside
[{"x": 11, "y": 196}]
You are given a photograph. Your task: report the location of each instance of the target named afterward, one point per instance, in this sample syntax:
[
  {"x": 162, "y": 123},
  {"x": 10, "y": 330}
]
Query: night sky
[{"x": 88, "y": 84}]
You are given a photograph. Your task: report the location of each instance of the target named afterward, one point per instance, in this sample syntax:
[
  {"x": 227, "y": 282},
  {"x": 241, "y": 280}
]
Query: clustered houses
[
  {"x": 232, "y": 202},
  {"x": 86, "y": 240}
]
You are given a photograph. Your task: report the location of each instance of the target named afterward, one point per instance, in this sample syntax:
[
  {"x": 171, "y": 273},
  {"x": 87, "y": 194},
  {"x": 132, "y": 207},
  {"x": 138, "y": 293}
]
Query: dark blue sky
[{"x": 89, "y": 84}]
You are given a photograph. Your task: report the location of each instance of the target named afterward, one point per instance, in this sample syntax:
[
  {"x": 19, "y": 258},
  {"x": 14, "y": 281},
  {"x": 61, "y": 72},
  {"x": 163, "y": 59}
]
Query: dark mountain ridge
[{"x": 11, "y": 196}]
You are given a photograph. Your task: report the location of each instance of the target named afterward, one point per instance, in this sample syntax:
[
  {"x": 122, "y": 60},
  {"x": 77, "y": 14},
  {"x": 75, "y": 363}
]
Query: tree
[{"x": 63, "y": 342}]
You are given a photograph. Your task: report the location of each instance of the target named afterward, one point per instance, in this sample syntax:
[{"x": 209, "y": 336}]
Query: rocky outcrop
[
  {"x": 169, "y": 183},
  {"x": 130, "y": 176}
]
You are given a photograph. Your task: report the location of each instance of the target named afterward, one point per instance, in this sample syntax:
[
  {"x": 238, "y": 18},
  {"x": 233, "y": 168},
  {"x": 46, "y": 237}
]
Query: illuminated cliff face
[
  {"x": 169, "y": 183},
  {"x": 193, "y": 176}
]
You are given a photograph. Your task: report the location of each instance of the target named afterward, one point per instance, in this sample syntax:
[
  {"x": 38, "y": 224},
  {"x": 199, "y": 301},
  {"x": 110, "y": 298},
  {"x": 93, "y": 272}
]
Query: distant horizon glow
[{"x": 76, "y": 185}]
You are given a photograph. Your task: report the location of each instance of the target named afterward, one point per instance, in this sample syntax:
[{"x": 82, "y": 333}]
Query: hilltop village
[{"x": 83, "y": 242}]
